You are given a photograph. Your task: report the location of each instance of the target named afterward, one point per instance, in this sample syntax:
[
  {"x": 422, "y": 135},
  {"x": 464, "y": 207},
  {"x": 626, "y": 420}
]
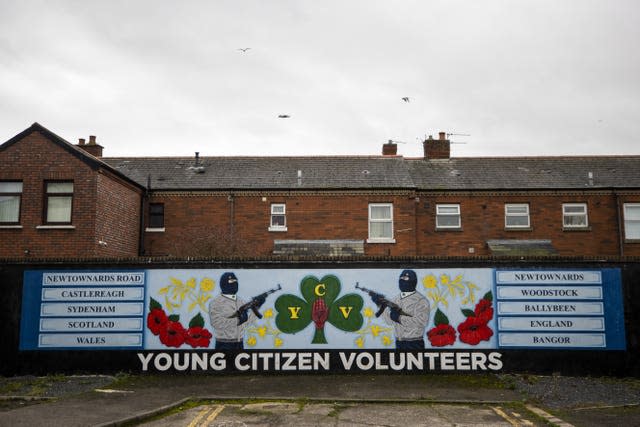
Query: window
[
  {"x": 516, "y": 215},
  {"x": 10, "y": 197},
  {"x": 58, "y": 202},
  {"x": 448, "y": 216},
  {"x": 574, "y": 215},
  {"x": 156, "y": 215},
  {"x": 381, "y": 222},
  {"x": 632, "y": 221},
  {"x": 278, "y": 217}
]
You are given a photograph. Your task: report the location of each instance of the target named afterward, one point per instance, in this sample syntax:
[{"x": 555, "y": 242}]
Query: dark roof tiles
[{"x": 377, "y": 172}]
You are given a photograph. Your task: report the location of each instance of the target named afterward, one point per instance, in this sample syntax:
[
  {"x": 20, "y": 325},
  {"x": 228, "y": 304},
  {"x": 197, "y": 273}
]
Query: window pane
[
  {"x": 277, "y": 220},
  {"x": 448, "y": 210},
  {"x": 277, "y": 209},
  {"x": 380, "y": 212},
  {"x": 380, "y": 230},
  {"x": 632, "y": 230},
  {"x": 574, "y": 209},
  {"x": 9, "y": 208},
  {"x": 59, "y": 209},
  {"x": 575, "y": 220},
  {"x": 60, "y": 187},
  {"x": 518, "y": 221},
  {"x": 10, "y": 187},
  {"x": 517, "y": 209},
  {"x": 448, "y": 221},
  {"x": 632, "y": 212}
]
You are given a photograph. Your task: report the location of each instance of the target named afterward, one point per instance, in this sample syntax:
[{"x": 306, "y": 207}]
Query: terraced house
[{"x": 64, "y": 200}]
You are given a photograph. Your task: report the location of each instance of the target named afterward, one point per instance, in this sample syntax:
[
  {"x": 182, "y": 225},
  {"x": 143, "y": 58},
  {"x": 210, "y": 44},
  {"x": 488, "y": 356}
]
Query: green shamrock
[{"x": 320, "y": 306}]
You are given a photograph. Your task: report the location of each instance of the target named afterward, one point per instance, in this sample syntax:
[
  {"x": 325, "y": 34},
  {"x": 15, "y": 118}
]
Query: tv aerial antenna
[{"x": 457, "y": 134}]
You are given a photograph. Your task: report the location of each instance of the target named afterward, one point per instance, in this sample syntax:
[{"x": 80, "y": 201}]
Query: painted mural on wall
[{"x": 323, "y": 309}]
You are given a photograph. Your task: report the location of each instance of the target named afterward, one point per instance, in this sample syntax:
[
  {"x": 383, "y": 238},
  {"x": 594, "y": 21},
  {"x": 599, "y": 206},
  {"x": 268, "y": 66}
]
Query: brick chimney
[
  {"x": 437, "y": 148},
  {"x": 390, "y": 149},
  {"x": 91, "y": 147}
]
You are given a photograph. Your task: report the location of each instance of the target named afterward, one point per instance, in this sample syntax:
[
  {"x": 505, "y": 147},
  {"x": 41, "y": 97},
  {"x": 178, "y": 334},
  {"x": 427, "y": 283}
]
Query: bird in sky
[
  {"x": 244, "y": 49},
  {"x": 283, "y": 116},
  {"x": 405, "y": 98}
]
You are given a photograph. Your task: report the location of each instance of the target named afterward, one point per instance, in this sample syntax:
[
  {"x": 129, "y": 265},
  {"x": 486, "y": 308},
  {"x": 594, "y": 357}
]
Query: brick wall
[
  {"x": 482, "y": 216},
  {"x": 33, "y": 160},
  {"x": 222, "y": 224},
  {"x": 118, "y": 218},
  {"x": 239, "y": 224}
]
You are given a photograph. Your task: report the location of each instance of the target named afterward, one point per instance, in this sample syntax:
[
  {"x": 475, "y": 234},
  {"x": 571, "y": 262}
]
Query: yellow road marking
[
  {"x": 212, "y": 411},
  {"x": 500, "y": 412},
  {"x": 214, "y": 414}
]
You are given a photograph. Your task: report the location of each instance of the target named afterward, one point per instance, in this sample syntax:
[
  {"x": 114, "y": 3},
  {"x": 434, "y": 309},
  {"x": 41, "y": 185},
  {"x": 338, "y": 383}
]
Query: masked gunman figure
[
  {"x": 410, "y": 323},
  {"x": 228, "y": 323}
]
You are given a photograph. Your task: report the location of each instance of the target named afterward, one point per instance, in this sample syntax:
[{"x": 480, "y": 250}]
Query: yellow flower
[
  {"x": 206, "y": 284},
  {"x": 386, "y": 340},
  {"x": 368, "y": 312},
  {"x": 430, "y": 282},
  {"x": 277, "y": 342},
  {"x": 191, "y": 283},
  {"x": 359, "y": 342},
  {"x": 375, "y": 330},
  {"x": 262, "y": 331},
  {"x": 268, "y": 314},
  {"x": 444, "y": 279},
  {"x": 251, "y": 341}
]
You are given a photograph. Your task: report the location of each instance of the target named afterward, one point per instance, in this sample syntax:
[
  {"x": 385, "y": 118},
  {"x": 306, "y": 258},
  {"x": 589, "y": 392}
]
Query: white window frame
[
  {"x": 441, "y": 212},
  {"x": 631, "y": 218},
  {"x": 278, "y": 210},
  {"x": 508, "y": 215},
  {"x": 11, "y": 199},
  {"x": 566, "y": 215},
  {"x": 373, "y": 221},
  {"x": 64, "y": 198}
]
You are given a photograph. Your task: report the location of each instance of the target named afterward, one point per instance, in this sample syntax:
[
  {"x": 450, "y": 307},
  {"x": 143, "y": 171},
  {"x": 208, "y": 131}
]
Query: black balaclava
[
  {"x": 229, "y": 284},
  {"x": 408, "y": 281}
]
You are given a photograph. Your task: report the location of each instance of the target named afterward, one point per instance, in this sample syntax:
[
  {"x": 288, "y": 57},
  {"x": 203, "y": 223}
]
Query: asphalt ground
[{"x": 137, "y": 399}]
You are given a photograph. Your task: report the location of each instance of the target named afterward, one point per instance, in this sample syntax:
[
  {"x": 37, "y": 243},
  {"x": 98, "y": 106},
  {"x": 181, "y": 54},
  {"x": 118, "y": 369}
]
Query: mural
[{"x": 323, "y": 309}]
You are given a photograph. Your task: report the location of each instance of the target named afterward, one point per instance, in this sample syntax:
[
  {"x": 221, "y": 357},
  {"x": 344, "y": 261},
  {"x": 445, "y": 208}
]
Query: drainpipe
[
  {"x": 231, "y": 200},
  {"x": 619, "y": 223},
  {"x": 143, "y": 203}
]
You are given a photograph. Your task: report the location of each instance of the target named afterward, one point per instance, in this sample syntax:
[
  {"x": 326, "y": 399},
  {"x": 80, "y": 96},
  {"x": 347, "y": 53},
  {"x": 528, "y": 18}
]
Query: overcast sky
[{"x": 167, "y": 78}]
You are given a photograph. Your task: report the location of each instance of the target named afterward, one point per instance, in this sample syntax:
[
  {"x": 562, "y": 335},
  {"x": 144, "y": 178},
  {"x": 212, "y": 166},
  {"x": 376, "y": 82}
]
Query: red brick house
[
  {"x": 58, "y": 200},
  {"x": 382, "y": 205}
]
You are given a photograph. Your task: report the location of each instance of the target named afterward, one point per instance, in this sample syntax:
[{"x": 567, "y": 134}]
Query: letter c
[{"x": 320, "y": 289}]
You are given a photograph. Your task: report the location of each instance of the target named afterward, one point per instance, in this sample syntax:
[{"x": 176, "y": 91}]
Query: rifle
[
  {"x": 253, "y": 304},
  {"x": 382, "y": 302}
]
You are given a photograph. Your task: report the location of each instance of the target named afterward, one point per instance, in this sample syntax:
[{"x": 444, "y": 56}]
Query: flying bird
[
  {"x": 406, "y": 99},
  {"x": 283, "y": 116},
  {"x": 244, "y": 49}
]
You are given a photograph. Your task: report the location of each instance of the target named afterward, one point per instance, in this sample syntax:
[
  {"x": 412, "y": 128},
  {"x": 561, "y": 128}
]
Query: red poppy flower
[
  {"x": 157, "y": 320},
  {"x": 484, "y": 310},
  {"x": 473, "y": 330},
  {"x": 442, "y": 335},
  {"x": 173, "y": 335},
  {"x": 198, "y": 336}
]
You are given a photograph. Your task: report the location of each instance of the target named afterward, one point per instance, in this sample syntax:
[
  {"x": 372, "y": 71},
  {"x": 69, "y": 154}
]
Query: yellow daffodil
[
  {"x": 277, "y": 342},
  {"x": 262, "y": 331},
  {"x": 368, "y": 312},
  {"x": 191, "y": 283},
  {"x": 375, "y": 330},
  {"x": 386, "y": 340},
  {"x": 444, "y": 279},
  {"x": 360, "y": 342},
  {"x": 430, "y": 281},
  {"x": 207, "y": 284},
  {"x": 251, "y": 341},
  {"x": 268, "y": 314}
]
